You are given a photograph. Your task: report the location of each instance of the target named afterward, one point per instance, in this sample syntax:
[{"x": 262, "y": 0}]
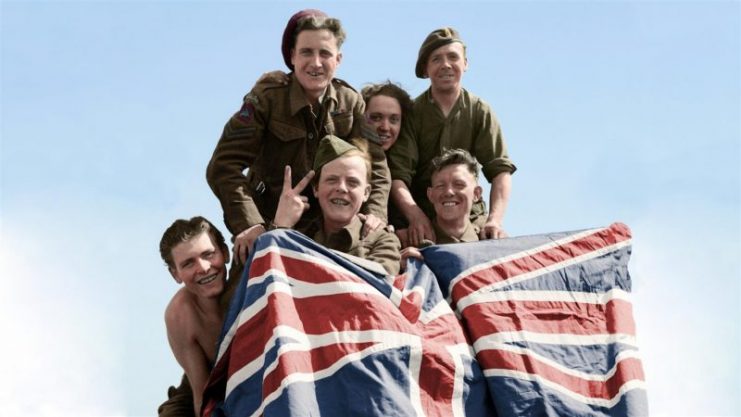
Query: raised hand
[{"x": 292, "y": 204}]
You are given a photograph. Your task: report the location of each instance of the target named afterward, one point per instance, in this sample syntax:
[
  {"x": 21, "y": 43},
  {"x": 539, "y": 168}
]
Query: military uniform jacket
[
  {"x": 379, "y": 246},
  {"x": 470, "y": 125},
  {"x": 276, "y": 127},
  {"x": 470, "y": 234}
]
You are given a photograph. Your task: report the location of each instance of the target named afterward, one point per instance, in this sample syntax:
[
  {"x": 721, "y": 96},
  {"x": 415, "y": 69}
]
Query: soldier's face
[
  {"x": 384, "y": 114},
  {"x": 315, "y": 59},
  {"x": 446, "y": 66},
  {"x": 199, "y": 263},
  {"x": 453, "y": 191},
  {"x": 342, "y": 188}
]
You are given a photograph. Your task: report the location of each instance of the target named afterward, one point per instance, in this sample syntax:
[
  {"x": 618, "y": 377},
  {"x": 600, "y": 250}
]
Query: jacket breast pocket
[
  {"x": 341, "y": 125},
  {"x": 285, "y": 132}
]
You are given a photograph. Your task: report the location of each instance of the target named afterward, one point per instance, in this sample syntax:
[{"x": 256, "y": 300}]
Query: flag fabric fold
[{"x": 536, "y": 325}]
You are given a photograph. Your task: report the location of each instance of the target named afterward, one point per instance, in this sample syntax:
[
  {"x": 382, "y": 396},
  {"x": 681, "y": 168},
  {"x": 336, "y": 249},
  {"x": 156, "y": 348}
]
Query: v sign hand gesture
[{"x": 292, "y": 204}]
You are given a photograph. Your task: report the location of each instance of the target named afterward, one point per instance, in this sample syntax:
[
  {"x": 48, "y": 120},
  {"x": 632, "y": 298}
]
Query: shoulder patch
[
  {"x": 343, "y": 83},
  {"x": 247, "y": 113}
]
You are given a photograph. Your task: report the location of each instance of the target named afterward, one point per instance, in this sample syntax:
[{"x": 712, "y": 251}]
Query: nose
[
  {"x": 203, "y": 265},
  {"x": 384, "y": 124},
  {"x": 342, "y": 186},
  {"x": 315, "y": 60}
]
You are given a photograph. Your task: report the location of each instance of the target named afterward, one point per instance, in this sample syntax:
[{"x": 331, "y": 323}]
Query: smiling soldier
[
  {"x": 196, "y": 256},
  {"x": 447, "y": 116},
  {"x": 280, "y": 124}
]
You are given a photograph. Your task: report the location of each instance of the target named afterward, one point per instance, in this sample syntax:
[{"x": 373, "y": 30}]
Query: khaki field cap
[
  {"x": 438, "y": 37},
  {"x": 289, "y": 35},
  {"x": 330, "y": 148}
]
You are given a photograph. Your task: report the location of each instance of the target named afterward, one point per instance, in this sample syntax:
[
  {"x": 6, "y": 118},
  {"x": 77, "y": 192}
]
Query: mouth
[
  {"x": 449, "y": 203},
  {"x": 207, "y": 280},
  {"x": 446, "y": 76},
  {"x": 315, "y": 74},
  {"x": 339, "y": 202},
  {"x": 384, "y": 137}
]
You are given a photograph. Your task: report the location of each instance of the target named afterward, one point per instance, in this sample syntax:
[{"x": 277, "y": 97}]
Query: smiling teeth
[
  {"x": 339, "y": 202},
  {"x": 206, "y": 280},
  {"x": 449, "y": 204}
]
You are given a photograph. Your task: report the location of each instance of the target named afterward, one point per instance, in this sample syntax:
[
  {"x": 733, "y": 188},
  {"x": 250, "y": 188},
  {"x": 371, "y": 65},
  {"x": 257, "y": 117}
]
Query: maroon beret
[{"x": 289, "y": 33}]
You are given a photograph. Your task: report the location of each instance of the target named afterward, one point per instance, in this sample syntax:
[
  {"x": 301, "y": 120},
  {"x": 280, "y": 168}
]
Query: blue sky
[{"x": 613, "y": 111}]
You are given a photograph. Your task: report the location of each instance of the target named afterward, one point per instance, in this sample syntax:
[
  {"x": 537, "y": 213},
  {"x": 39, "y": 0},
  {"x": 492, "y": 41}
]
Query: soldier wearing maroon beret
[{"x": 281, "y": 124}]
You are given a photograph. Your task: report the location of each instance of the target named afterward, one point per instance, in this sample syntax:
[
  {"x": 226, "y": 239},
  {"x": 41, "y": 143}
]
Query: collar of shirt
[
  {"x": 298, "y": 99},
  {"x": 461, "y": 103},
  {"x": 470, "y": 234},
  {"x": 345, "y": 240}
]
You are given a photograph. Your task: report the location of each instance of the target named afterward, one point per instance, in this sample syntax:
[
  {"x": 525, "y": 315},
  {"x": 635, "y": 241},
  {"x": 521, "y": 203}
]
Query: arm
[
  {"x": 498, "y": 199},
  {"x": 236, "y": 150},
  {"x": 491, "y": 151},
  {"x": 385, "y": 251},
  {"x": 420, "y": 227},
  {"x": 180, "y": 323}
]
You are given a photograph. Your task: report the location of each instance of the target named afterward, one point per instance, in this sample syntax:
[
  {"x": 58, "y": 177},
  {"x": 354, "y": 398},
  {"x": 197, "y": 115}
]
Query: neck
[
  {"x": 208, "y": 306},
  {"x": 445, "y": 99},
  {"x": 330, "y": 227},
  {"x": 313, "y": 97},
  {"x": 453, "y": 228}
]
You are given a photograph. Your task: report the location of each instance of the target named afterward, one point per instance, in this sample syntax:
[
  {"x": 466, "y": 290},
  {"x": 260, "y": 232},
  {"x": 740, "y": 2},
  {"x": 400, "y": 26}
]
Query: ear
[
  {"x": 314, "y": 189},
  {"x": 293, "y": 57},
  {"x": 477, "y": 193},
  {"x": 367, "y": 193},
  {"x": 339, "y": 58},
  {"x": 429, "y": 194},
  {"x": 174, "y": 275}
]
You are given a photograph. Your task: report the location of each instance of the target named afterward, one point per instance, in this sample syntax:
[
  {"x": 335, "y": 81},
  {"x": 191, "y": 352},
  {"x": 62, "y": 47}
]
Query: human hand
[
  {"x": 276, "y": 77},
  {"x": 409, "y": 252},
  {"x": 292, "y": 204},
  {"x": 370, "y": 223},
  {"x": 492, "y": 230},
  {"x": 420, "y": 229},
  {"x": 244, "y": 241},
  {"x": 403, "y": 235}
]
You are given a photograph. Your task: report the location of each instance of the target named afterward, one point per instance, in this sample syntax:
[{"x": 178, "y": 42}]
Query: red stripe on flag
[
  {"x": 627, "y": 370},
  {"x": 298, "y": 269},
  {"x": 550, "y": 317},
  {"x": 507, "y": 270},
  {"x": 316, "y": 359}
]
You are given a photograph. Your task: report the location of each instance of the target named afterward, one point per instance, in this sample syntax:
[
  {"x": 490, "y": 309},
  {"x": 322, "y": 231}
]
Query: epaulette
[{"x": 343, "y": 83}]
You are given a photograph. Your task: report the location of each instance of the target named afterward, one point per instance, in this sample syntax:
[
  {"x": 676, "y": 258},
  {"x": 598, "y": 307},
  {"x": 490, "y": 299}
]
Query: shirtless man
[{"x": 196, "y": 256}]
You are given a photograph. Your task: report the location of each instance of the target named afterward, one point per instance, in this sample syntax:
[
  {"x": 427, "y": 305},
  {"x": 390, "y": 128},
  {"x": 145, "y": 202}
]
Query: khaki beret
[
  {"x": 330, "y": 148},
  {"x": 289, "y": 34},
  {"x": 438, "y": 37}
]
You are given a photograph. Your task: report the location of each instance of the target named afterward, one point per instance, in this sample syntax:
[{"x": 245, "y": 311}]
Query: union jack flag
[{"x": 311, "y": 332}]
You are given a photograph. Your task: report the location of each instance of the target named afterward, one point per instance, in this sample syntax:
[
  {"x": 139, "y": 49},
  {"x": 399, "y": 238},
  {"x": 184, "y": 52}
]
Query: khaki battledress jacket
[
  {"x": 471, "y": 234},
  {"x": 470, "y": 125},
  {"x": 276, "y": 127},
  {"x": 379, "y": 245}
]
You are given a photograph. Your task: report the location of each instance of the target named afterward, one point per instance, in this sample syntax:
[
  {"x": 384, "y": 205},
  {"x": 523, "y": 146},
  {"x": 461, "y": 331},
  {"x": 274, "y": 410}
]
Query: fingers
[
  {"x": 287, "y": 178},
  {"x": 304, "y": 181}
]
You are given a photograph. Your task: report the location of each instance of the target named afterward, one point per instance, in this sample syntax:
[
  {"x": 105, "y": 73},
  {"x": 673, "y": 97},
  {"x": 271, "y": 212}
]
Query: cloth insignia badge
[{"x": 247, "y": 112}]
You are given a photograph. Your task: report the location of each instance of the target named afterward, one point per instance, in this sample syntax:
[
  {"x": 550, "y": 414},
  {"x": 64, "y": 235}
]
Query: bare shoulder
[{"x": 180, "y": 313}]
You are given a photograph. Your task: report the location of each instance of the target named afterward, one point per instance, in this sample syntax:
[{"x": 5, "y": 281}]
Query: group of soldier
[{"x": 375, "y": 175}]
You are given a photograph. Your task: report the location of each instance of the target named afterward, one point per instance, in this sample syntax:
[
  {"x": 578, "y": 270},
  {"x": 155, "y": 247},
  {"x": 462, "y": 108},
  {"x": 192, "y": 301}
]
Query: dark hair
[
  {"x": 389, "y": 89},
  {"x": 455, "y": 157},
  {"x": 183, "y": 230},
  {"x": 332, "y": 24}
]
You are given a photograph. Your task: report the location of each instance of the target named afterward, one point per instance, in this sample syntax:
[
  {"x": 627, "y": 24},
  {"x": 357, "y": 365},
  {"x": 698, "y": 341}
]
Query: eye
[
  {"x": 395, "y": 120},
  {"x": 375, "y": 117}
]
